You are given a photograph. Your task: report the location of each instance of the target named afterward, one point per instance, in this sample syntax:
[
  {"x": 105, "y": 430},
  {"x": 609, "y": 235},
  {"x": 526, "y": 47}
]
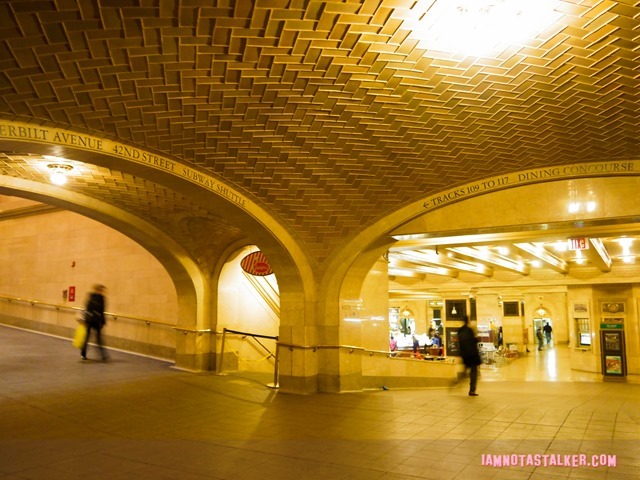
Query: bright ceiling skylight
[{"x": 479, "y": 27}]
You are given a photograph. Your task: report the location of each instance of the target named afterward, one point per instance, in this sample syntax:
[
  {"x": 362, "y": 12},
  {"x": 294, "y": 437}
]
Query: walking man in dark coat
[
  {"x": 547, "y": 332},
  {"x": 470, "y": 354},
  {"x": 94, "y": 319}
]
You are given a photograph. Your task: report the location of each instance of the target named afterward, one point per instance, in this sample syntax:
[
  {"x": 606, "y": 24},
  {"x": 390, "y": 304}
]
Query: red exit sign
[{"x": 578, "y": 243}]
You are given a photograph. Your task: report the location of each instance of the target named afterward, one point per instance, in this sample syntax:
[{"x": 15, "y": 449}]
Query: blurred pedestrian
[
  {"x": 94, "y": 319},
  {"x": 547, "y": 332},
  {"x": 470, "y": 354},
  {"x": 540, "y": 338},
  {"x": 416, "y": 344},
  {"x": 393, "y": 346}
]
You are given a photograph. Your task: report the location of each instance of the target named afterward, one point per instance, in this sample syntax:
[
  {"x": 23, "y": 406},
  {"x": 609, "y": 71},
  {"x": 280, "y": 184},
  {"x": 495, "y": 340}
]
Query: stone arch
[
  {"x": 190, "y": 282},
  {"x": 285, "y": 252},
  {"x": 296, "y": 270},
  {"x": 182, "y": 269},
  {"x": 345, "y": 273},
  {"x": 377, "y": 234}
]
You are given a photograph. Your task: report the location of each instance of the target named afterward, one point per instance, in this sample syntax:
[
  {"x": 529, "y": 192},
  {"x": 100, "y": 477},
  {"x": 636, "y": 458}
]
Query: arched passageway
[
  {"x": 502, "y": 251},
  {"x": 329, "y": 307}
]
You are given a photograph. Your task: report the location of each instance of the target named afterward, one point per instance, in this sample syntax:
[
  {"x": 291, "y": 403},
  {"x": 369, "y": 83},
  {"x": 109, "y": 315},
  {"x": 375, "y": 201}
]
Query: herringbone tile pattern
[{"x": 304, "y": 104}]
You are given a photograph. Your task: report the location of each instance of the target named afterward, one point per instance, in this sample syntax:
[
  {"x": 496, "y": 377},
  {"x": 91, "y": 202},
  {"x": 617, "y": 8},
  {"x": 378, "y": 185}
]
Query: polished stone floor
[{"x": 137, "y": 418}]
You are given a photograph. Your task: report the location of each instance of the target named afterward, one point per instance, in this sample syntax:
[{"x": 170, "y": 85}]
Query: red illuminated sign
[
  {"x": 256, "y": 264},
  {"x": 578, "y": 243},
  {"x": 72, "y": 294}
]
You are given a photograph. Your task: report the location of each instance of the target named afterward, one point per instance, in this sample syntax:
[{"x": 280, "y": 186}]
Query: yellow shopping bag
[{"x": 80, "y": 335}]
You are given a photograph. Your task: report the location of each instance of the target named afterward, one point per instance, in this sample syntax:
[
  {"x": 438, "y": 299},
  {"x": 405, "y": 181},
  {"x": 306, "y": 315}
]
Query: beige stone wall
[
  {"x": 251, "y": 305},
  {"x": 42, "y": 255}
]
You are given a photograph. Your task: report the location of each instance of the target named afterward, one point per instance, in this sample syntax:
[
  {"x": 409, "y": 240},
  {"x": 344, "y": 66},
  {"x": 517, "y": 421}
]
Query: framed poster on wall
[
  {"x": 455, "y": 309},
  {"x": 452, "y": 342},
  {"x": 613, "y": 365},
  {"x": 580, "y": 310},
  {"x": 609, "y": 308}
]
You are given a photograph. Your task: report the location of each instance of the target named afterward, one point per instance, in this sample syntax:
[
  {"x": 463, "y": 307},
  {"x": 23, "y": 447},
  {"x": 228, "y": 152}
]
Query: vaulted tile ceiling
[{"x": 329, "y": 113}]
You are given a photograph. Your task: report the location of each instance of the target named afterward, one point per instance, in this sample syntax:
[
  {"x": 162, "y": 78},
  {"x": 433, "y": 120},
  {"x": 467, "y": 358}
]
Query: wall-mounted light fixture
[
  {"x": 625, "y": 244},
  {"x": 58, "y": 173},
  {"x": 588, "y": 206}
]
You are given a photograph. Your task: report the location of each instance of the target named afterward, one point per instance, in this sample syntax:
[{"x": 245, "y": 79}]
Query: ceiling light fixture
[
  {"x": 560, "y": 246},
  {"x": 58, "y": 173},
  {"x": 589, "y": 206},
  {"x": 625, "y": 244}
]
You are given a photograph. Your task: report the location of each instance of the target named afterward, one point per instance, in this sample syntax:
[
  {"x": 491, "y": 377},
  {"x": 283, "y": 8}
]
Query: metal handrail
[
  {"x": 115, "y": 316},
  {"x": 195, "y": 330},
  {"x": 255, "y": 336},
  {"x": 351, "y": 348}
]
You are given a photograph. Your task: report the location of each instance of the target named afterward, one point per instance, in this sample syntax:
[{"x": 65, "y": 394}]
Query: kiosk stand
[{"x": 612, "y": 344}]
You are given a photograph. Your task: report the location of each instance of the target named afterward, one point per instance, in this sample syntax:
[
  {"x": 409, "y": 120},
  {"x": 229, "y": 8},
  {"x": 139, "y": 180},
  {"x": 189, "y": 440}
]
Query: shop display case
[{"x": 612, "y": 339}]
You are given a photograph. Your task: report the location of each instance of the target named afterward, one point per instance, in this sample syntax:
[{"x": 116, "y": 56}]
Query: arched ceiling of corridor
[
  {"x": 200, "y": 231},
  {"x": 330, "y": 114}
]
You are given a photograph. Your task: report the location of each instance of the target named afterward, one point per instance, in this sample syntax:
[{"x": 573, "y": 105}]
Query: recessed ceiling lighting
[
  {"x": 560, "y": 246},
  {"x": 625, "y": 242}
]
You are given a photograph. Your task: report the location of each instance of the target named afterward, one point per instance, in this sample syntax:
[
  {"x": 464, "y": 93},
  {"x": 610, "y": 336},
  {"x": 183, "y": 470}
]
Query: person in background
[
  {"x": 416, "y": 344},
  {"x": 547, "y": 332},
  {"x": 540, "y": 338},
  {"x": 470, "y": 354},
  {"x": 393, "y": 346},
  {"x": 94, "y": 319},
  {"x": 435, "y": 340}
]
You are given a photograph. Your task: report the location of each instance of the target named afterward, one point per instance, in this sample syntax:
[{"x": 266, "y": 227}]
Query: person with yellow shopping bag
[
  {"x": 94, "y": 320},
  {"x": 80, "y": 335}
]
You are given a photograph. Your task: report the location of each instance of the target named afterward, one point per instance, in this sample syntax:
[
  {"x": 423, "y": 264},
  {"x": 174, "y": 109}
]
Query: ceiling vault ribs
[
  {"x": 539, "y": 252},
  {"x": 482, "y": 255},
  {"x": 598, "y": 255},
  {"x": 431, "y": 257},
  {"x": 338, "y": 104}
]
